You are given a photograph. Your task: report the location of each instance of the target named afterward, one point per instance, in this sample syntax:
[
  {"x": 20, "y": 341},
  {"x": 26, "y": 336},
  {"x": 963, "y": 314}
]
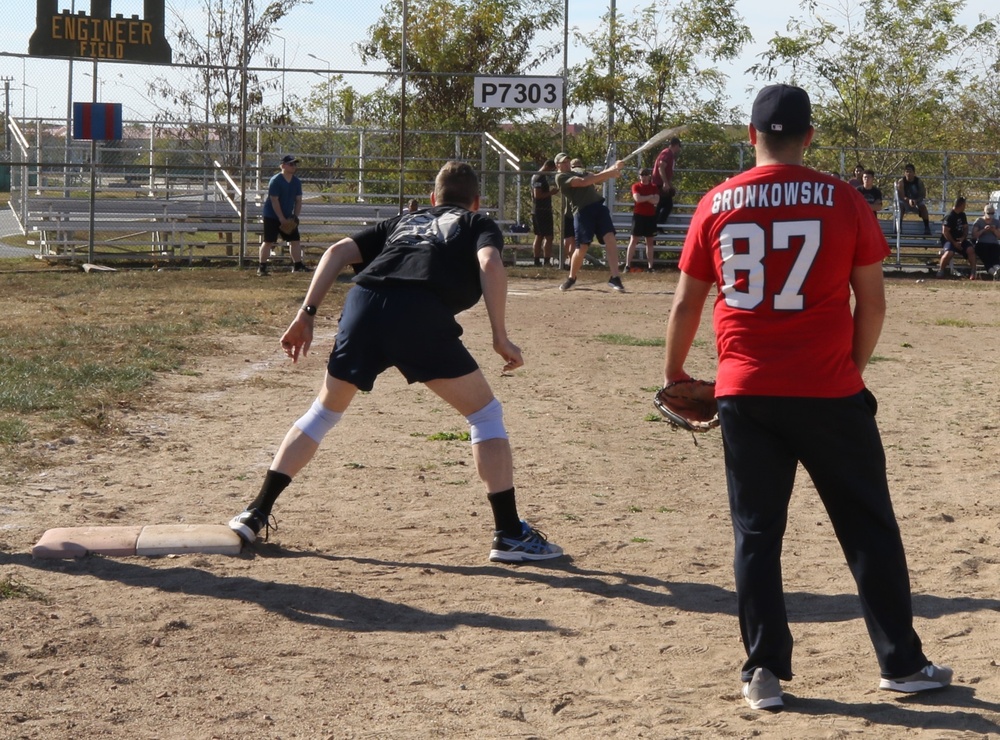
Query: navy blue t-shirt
[{"x": 435, "y": 248}]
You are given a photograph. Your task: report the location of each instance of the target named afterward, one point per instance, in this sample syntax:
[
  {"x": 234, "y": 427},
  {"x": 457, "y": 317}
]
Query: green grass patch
[
  {"x": 627, "y": 340},
  {"x": 652, "y": 417},
  {"x": 12, "y": 431},
  {"x": 960, "y": 323},
  {"x": 449, "y": 437},
  {"x": 12, "y": 588}
]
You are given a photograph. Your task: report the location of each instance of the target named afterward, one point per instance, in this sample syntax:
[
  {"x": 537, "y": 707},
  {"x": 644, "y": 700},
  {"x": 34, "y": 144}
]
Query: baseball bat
[{"x": 655, "y": 139}]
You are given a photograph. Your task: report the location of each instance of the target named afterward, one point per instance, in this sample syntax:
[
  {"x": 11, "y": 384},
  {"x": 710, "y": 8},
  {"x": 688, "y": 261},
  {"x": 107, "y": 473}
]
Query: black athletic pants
[{"x": 838, "y": 443}]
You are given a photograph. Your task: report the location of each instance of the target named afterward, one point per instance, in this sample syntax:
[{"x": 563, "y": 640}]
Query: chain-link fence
[{"x": 178, "y": 187}]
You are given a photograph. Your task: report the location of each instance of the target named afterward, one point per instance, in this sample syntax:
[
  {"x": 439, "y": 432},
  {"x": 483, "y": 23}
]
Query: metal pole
[
  {"x": 402, "y": 110},
  {"x": 244, "y": 61},
  {"x": 93, "y": 176}
]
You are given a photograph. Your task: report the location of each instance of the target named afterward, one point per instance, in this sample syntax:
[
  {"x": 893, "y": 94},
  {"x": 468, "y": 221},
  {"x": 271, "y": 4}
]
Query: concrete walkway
[{"x": 9, "y": 227}]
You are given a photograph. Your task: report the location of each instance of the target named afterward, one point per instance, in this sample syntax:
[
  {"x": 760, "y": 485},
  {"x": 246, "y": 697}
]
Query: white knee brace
[
  {"x": 487, "y": 423},
  {"x": 317, "y": 421}
]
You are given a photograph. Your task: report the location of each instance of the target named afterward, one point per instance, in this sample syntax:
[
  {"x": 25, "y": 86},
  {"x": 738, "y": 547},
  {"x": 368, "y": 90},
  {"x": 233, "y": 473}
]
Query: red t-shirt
[
  {"x": 644, "y": 208},
  {"x": 666, "y": 157},
  {"x": 780, "y": 242}
]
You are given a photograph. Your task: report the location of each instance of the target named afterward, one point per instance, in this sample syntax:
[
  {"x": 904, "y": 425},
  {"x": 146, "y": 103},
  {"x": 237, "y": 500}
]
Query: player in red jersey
[{"x": 785, "y": 246}]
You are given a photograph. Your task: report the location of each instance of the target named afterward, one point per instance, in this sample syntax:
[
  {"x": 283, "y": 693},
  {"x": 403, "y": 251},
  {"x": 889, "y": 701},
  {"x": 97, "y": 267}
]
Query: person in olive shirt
[{"x": 591, "y": 217}]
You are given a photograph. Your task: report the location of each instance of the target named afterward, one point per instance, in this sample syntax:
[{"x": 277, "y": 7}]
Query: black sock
[
  {"x": 274, "y": 484},
  {"x": 505, "y": 512}
]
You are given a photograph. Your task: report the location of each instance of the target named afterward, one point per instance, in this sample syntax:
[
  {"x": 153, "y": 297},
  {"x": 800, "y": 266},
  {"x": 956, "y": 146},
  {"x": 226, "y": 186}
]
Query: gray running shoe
[
  {"x": 567, "y": 284},
  {"x": 763, "y": 691},
  {"x": 928, "y": 678},
  {"x": 531, "y": 545}
]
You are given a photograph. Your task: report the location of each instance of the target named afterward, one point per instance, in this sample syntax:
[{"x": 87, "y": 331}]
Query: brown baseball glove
[
  {"x": 689, "y": 404},
  {"x": 288, "y": 228}
]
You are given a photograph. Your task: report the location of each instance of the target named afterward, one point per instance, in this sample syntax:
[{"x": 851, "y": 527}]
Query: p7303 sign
[{"x": 518, "y": 92}]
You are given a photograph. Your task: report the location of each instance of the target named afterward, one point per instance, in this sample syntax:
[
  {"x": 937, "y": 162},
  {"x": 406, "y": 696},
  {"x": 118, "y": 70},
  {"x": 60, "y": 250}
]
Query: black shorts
[
  {"x": 569, "y": 228},
  {"x": 541, "y": 223},
  {"x": 407, "y": 328},
  {"x": 271, "y": 233},
  {"x": 643, "y": 225}
]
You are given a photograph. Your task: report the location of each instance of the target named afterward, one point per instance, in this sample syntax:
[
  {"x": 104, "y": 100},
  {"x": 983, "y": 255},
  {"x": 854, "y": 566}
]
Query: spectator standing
[
  {"x": 663, "y": 178},
  {"x": 646, "y": 196},
  {"x": 871, "y": 194},
  {"x": 910, "y": 194},
  {"x": 955, "y": 239},
  {"x": 591, "y": 217},
  {"x": 986, "y": 236},
  {"x": 284, "y": 201},
  {"x": 541, "y": 213},
  {"x": 791, "y": 355},
  {"x": 859, "y": 172}
]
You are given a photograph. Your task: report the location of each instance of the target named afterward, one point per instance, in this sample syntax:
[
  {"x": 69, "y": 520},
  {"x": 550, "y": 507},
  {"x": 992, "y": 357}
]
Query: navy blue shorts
[
  {"x": 407, "y": 328},
  {"x": 593, "y": 220}
]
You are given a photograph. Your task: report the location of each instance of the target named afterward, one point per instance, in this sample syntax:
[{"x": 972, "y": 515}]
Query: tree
[
  {"x": 444, "y": 37},
  {"x": 662, "y": 72},
  {"x": 881, "y": 73},
  {"x": 212, "y": 92}
]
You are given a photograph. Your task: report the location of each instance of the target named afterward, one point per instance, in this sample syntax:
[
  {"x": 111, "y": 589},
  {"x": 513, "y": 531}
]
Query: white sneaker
[
  {"x": 763, "y": 691},
  {"x": 928, "y": 678}
]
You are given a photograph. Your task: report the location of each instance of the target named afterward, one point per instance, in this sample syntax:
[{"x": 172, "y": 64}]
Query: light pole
[
  {"x": 283, "y": 66},
  {"x": 98, "y": 87},
  {"x": 329, "y": 90}
]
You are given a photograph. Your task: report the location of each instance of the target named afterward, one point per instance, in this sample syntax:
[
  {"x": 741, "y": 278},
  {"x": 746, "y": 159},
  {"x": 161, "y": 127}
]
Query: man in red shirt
[
  {"x": 663, "y": 178},
  {"x": 646, "y": 195},
  {"x": 785, "y": 246}
]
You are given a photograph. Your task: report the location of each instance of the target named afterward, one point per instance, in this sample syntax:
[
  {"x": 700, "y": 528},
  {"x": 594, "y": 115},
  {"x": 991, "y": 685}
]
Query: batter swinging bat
[{"x": 656, "y": 139}]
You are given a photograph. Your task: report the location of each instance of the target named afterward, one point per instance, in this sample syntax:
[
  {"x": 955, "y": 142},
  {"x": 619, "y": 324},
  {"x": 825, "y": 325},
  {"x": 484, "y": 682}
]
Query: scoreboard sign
[
  {"x": 99, "y": 35},
  {"x": 518, "y": 92}
]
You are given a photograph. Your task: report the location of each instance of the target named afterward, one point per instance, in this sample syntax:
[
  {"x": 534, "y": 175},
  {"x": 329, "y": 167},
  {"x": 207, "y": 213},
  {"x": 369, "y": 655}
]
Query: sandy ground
[{"x": 373, "y": 611}]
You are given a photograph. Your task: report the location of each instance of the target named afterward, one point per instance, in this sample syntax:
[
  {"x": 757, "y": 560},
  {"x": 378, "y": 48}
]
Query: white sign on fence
[{"x": 518, "y": 92}]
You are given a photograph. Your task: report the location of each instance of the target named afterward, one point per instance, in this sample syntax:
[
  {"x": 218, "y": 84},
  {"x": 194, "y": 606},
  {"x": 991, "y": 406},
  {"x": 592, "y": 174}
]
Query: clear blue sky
[{"x": 321, "y": 28}]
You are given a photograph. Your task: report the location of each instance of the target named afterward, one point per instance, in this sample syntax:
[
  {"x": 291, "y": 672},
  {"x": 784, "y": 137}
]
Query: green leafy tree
[
  {"x": 496, "y": 37},
  {"x": 882, "y": 73},
  {"x": 657, "y": 67}
]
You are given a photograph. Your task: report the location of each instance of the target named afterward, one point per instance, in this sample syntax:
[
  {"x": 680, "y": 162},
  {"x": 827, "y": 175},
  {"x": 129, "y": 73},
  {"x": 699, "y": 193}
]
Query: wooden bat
[{"x": 656, "y": 139}]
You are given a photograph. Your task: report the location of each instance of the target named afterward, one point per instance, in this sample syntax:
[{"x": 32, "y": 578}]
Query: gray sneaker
[
  {"x": 763, "y": 691},
  {"x": 531, "y": 545},
  {"x": 568, "y": 283},
  {"x": 928, "y": 678}
]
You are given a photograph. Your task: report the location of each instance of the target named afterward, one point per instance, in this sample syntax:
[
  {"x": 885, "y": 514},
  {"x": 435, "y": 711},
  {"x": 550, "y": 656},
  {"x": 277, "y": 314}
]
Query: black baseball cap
[
  {"x": 289, "y": 159},
  {"x": 782, "y": 109}
]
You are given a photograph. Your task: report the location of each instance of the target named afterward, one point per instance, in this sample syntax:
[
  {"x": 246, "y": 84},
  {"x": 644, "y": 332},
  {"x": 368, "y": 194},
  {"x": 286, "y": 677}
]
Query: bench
[{"x": 171, "y": 229}]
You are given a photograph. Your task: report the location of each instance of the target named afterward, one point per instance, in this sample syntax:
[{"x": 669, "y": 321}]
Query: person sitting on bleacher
[
  {"x": 871, "y": 194},
  {"x": 955, "y": 238},
  {"x": 910, "y": 194},
  {"x": 985, "y": 233}
]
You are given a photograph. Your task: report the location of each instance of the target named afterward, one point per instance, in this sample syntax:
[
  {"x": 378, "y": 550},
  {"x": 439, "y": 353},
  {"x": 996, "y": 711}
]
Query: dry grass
[{"x": 78, "y": 346}]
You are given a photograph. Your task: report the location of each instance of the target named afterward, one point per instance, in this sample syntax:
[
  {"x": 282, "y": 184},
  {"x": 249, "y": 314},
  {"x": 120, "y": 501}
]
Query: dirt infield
[{"x": 373, "y": 611}]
